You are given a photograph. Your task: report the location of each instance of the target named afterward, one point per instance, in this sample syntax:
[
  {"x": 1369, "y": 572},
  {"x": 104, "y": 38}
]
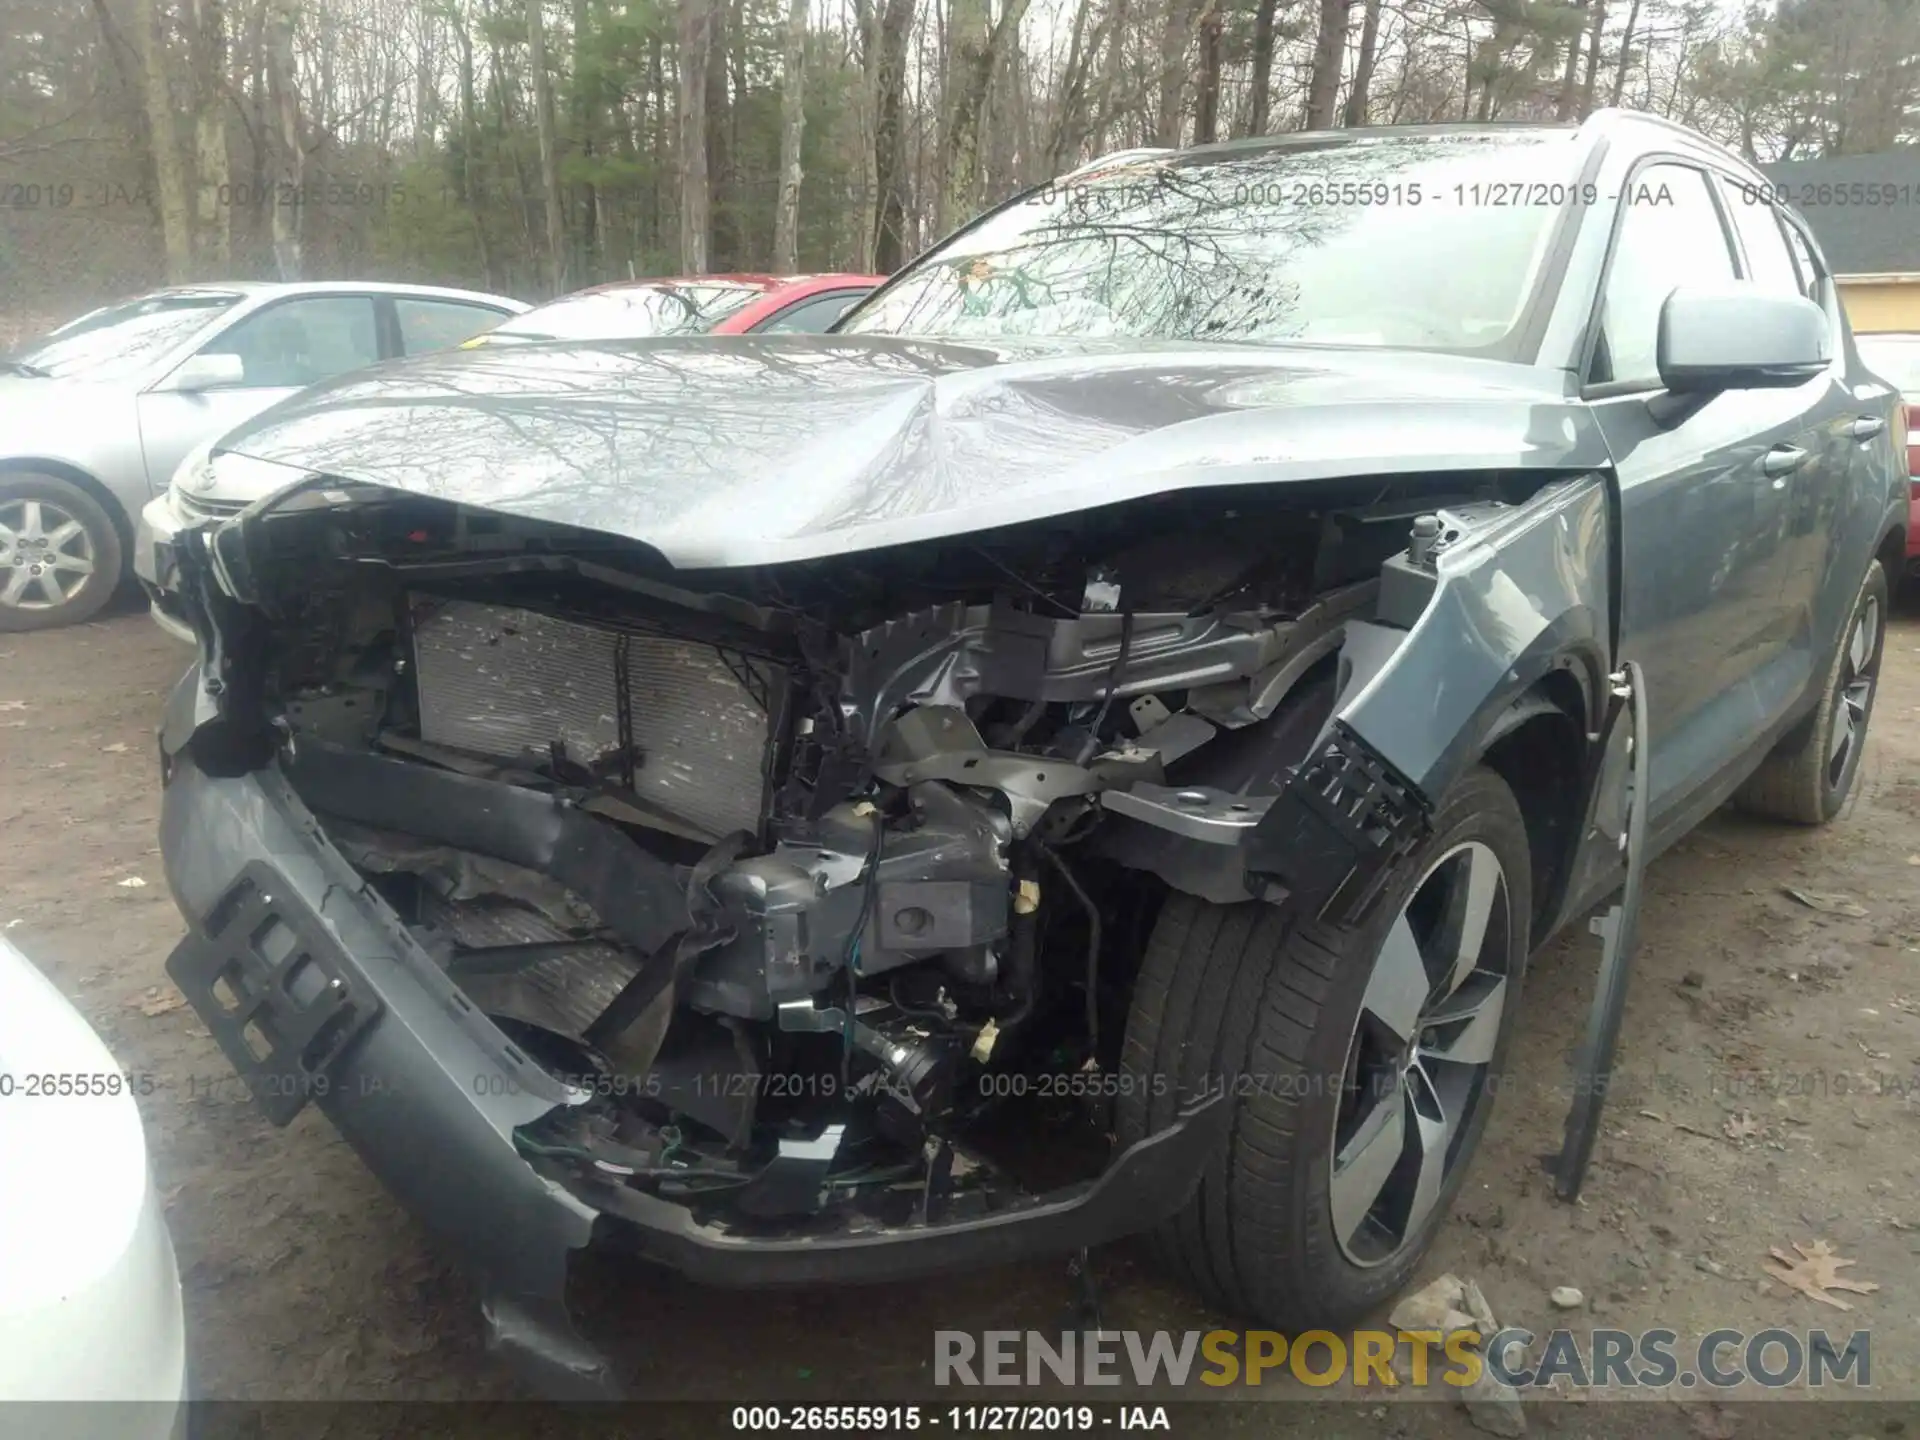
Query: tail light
[{"x": 1909, "y": 422}]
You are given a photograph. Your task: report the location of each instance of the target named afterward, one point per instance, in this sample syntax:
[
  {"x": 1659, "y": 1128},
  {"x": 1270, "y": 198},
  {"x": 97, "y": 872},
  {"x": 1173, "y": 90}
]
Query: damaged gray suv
[{"x": 1086, "y": 748}]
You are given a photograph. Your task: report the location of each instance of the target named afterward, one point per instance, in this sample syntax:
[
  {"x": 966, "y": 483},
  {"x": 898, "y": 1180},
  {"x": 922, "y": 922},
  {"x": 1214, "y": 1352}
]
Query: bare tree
[
  {"x": 696, "y": 203},
  {"x": 169, "y": 169},
  {"x": 1358, "y": 96},
  {"x": 1329, "y": 57},
  {"x": 793, "y": 120},
  {"x": 1262, "y": 80},
  {"x": 976, "y": 45},
  {"x": 210, "y": 132},
  {"x": 544, "y": 128}
]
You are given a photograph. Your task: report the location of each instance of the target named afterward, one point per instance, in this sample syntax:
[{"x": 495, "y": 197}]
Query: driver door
[{"x": 282, "y": 347}]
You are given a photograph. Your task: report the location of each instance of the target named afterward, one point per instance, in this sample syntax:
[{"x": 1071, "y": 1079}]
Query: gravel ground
[{"x": 1771, "y": 1066}]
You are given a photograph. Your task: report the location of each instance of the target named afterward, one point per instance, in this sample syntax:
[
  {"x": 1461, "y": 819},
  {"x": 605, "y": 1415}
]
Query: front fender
[
  {"x": 1508, "y": 596},
  {"x": 1527, "y": 594}
]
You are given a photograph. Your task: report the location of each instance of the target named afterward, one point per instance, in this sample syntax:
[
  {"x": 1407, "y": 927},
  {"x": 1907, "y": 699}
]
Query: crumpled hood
[{"x": 752, "y": 450}]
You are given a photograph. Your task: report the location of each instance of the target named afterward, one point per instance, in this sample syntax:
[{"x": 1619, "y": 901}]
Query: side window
[
  {"x": 1809, "y": 269},
  {"x": 440, "y": 324},
  {"x": 1769, "y": 263},
  {"x": 811, "y": 317},
  {"x": 1669, "y": 235},
  {"x": 301, "y": 342}
]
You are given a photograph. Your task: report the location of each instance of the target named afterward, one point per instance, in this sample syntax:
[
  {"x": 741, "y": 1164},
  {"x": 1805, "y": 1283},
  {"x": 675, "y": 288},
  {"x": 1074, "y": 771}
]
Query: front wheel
[
  {"x": 59, "y": 553},
  {"x": 1809, "y": 778},
  {"x": 1360, "y": 1064}
]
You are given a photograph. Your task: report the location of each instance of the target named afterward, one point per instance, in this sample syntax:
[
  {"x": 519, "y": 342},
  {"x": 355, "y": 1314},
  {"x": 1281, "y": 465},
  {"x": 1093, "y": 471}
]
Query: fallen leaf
[
  {"x": 1815, "y": 1273},
  {"x": 10, "y": 924},
  {"x": 132, "y": 882},
  {"x": 154, "y": 1002},
  {"x": 13, "y": 705},
  {"x": 1871, "y": 1053},
  {"x": 1913, "y": 859},
  {"x": 1742, "y": 1126},
  {"x": 119, "y": 747},
  {"x": 1825, "y": 904}
]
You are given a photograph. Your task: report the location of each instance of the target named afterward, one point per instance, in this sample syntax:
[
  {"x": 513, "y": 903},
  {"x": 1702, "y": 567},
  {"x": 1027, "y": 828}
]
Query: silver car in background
[{"x": 96, "y": 416}]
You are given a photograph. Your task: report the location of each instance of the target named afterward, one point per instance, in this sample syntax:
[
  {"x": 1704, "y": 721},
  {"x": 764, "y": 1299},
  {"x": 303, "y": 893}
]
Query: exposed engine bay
[{"x": 804, "y": 880}]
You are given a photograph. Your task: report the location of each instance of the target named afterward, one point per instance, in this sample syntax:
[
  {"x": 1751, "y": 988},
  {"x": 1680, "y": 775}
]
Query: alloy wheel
[
  {"x": 1859, "y": 671},
  {"x": 1421, "y": 1055},
  {"x": 46, "y": 555}
]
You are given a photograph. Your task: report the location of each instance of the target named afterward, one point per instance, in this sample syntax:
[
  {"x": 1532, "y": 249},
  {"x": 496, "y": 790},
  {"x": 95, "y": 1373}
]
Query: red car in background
[
  {"x": 1895, "y": 357},
  {"x": 692, "y": 305}
]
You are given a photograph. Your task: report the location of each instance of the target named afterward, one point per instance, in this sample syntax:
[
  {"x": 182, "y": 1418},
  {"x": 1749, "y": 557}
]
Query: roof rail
[
  {"x": 1615, "y": 115},
  {"x": 1118, "y": 157}
]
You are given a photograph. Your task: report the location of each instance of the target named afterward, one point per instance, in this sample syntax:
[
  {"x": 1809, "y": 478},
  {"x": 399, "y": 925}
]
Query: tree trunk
[
  {"x": 975, "y": 49},
  {"x": 1626, "y": 52},
  {"x": 544, "y": 125},
  {"x": 696, "y": 215},
  {"x": 1206, "y": 95},
  {"x": 210, "y": 132},
  {"x": 1176, "y": 38},
  {"x": 1356, "y": 112},
  {"x": 589, "y": 105},
  {"x": 723, "y": 222},
  {"x": 288, "y": 219},
  {"x": 169, "y": 171},
  {"x": 793, "y": 121},
  {"x": 1563, "y": 109},
  {"x": 1103, "y": 109},
  {"x": 894, "y": 23},
  {"x": 1593, "y": 57},
  {"x": 1262, "y": 81},
  {"x": 1069, "y": 121},
  {"x": 1329, "y": 58},
  {"x": 469, "y": 190}
]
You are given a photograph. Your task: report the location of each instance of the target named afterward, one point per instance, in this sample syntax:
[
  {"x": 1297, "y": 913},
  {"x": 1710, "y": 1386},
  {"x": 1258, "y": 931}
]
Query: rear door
[
  {"x": 1706, "y": 494},
  {"x": 1827, "y": 417}
]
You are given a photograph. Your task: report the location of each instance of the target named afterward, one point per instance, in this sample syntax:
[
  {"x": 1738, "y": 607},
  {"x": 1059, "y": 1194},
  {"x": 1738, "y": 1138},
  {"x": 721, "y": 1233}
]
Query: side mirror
[
  {"x": 209, "y": 372},
  {"x": 1735, "y": 337}
]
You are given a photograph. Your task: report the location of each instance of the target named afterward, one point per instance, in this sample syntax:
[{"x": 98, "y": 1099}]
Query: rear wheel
[
  {"x": 1809, "y": 779},
  {"x": 1359, "y": 1063},
  {"x": 59, "y": 553}
]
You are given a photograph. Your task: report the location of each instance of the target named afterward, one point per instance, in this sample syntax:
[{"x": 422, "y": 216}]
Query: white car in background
[
  {"x": 96, "y": 416},
  {"x": 89, "y": 1293}
]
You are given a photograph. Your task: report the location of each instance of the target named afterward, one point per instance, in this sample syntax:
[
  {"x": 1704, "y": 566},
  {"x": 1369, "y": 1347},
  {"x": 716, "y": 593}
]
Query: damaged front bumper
[{"x": 317, "y": 991}]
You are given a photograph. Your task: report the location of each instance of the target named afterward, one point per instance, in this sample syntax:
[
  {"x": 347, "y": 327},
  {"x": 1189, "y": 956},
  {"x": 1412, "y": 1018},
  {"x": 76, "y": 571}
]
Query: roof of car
[
  {"x": 746, "y": 279},
  {"x": 1602, "y": 124},
  {"x": 262, "y": 289}
]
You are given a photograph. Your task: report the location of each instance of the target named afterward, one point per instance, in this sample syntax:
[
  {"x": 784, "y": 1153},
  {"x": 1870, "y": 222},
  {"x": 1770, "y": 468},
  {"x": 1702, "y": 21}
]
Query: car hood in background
[{"x": 753, "y": 450}]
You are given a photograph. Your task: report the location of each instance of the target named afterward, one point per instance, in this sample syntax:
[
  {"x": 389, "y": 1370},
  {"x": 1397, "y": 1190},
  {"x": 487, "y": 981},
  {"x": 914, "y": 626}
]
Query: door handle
[
  {"x": 1865, "y": 427},
  {"x": 1783, "y": 460}
]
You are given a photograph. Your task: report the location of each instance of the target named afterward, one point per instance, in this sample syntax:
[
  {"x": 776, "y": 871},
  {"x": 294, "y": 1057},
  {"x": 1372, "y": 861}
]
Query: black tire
[
  {"x": 1801, "y": 781},
  {"x": 34, "y": 608},
  {"x": 1243, "y": 995}
]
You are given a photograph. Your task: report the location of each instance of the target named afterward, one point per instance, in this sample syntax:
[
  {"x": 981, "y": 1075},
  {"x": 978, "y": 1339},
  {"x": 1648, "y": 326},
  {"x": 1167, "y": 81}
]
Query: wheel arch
[
  {"x": 73, "y": 474},
  {"x": 1540, "y": 746}
]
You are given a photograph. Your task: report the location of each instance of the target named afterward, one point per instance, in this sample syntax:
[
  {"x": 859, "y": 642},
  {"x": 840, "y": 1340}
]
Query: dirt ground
[{"x": 1770, "y": 1072}]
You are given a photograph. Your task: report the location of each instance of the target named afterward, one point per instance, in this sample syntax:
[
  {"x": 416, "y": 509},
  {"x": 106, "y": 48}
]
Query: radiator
[{"x": 505, "y": 682}]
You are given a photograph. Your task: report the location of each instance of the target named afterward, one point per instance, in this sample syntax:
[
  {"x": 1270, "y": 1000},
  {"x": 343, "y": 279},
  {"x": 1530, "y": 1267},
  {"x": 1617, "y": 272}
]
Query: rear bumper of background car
[{"x": 430, "y": 1093}]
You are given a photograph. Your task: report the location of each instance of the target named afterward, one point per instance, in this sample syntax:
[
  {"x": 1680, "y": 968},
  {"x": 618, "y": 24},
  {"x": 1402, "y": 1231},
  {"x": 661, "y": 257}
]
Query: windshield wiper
[{"x": 21, "y": 367}]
